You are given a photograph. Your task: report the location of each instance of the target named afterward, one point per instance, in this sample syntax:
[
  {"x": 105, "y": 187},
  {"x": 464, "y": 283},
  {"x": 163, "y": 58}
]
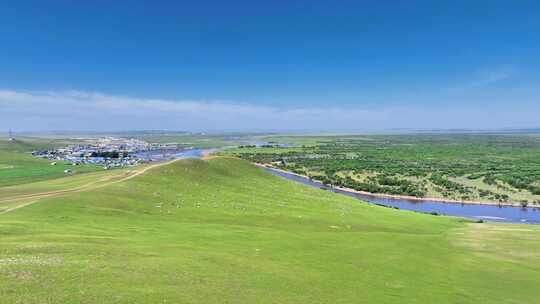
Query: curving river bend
[{"x": 494, "y": 213}]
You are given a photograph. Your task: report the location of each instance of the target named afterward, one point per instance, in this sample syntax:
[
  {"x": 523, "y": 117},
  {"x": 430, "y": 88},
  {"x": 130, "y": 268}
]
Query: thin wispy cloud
[
  {"x": 482, "y": 79},
  {"x": 90, "y": 110},
  {"x": 485, "y": 77},
  {"x": 79, "y": 110},
  {"x": 493, "y": 75}
]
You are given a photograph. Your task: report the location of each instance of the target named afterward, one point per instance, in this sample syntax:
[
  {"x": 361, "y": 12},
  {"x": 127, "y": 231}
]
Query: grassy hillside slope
[
  {"x": 17, "y": 167},
  {"x": 223, "y": 231}
]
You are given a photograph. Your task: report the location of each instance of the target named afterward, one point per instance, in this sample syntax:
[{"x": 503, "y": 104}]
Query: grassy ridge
[{"x": 223, "y": 231}]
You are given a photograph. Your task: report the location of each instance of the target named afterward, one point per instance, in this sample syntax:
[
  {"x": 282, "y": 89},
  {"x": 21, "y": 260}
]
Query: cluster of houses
[{"x": 110, "y": 152}]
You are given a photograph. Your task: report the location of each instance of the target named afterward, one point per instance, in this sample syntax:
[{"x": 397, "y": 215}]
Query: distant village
[{"x": 110, "y": 152}]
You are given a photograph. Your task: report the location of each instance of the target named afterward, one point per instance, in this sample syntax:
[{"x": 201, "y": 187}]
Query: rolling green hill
[{"x": 224, "y": 231}]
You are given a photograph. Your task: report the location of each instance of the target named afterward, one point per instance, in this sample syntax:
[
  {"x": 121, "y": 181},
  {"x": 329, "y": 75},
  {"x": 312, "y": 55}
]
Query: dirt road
[{"x": 24, "y": 200}]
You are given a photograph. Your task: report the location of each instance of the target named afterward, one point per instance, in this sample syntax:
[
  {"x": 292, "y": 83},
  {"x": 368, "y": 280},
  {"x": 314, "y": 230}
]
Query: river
[
  {"x": 494, "y": 213},
  {"x": 168, "y": 154}
]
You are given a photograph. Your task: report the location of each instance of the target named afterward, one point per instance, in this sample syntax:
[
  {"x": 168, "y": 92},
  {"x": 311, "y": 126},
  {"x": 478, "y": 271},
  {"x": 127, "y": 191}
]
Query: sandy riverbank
[{"x": 404, "y": 197}]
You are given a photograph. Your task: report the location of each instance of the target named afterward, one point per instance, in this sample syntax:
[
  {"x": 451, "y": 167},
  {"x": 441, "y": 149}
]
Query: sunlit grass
[{"x": 223, "y": 231}]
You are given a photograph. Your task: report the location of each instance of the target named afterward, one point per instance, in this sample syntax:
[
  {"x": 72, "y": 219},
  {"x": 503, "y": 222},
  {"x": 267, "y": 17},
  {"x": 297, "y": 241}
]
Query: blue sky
[{"x": 269, "y": 65}]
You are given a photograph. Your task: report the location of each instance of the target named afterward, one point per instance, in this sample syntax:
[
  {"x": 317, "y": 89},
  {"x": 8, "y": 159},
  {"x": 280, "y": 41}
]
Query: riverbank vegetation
[{"x": 468, "y": 167}]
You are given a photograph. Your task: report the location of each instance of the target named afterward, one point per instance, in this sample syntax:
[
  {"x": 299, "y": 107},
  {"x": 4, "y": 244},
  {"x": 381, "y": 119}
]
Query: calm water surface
[
  {"x": 161, "y": 155},
  {"x": 484, "y": 212}
]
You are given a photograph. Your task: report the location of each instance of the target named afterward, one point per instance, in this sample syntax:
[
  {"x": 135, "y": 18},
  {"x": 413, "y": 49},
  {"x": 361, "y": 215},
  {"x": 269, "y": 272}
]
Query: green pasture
[
  {"x": 29, "y": 144},
  {"x": 18, "y": 168},
  {"x": 224, "y": 231}
]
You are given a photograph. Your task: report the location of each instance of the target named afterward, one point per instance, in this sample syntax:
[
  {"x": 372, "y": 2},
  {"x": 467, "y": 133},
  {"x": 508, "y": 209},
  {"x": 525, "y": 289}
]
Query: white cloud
[
  {"x": 91, "y": 110},
  {"x": 486, "y": 77},
  {"x": 78, "y": 110},
  {"x": 492, "y": 75}
]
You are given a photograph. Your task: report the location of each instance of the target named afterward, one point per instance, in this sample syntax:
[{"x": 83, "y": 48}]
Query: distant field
[
  {"x": 17, "y": 166},
  {"x": 200, "y": 141},
  {"x": 223, "y": 231},
  {"x": 28, "y": 144},
  {"x": 486, "y": 167}
]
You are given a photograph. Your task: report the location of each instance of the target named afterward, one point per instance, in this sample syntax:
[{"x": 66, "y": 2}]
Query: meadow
[
  {"x": 502, "y": 168},
  {"x": 224, "y": 231},
  {"x": 18, "y": 166},
  {"x": 28, "y": 144}
]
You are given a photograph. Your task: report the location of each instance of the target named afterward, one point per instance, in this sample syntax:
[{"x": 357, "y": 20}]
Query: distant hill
[{"x": 28, "y": 144}]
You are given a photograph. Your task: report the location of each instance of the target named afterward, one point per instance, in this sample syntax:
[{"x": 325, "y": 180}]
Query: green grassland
[
  {"x": 18, "y": 166},
  {"x": 224, "y": 231},
  {"x": 28, "y": 144},
  {"x": 469, "y": 167},
  {"x": 21, "y": 195}
]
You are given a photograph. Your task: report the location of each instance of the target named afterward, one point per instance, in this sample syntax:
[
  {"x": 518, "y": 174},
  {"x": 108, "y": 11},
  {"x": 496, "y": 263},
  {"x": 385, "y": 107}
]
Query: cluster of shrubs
[
  {"x": 518, "y": 182},
  {"x": 449, "y": 185},
  {"x": 386, "y": 185},
  {"x": 433, "y": 158}
]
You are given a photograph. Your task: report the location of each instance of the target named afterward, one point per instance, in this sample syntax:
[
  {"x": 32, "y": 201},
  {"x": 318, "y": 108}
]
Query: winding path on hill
[{"x": 23, "y": 200}]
